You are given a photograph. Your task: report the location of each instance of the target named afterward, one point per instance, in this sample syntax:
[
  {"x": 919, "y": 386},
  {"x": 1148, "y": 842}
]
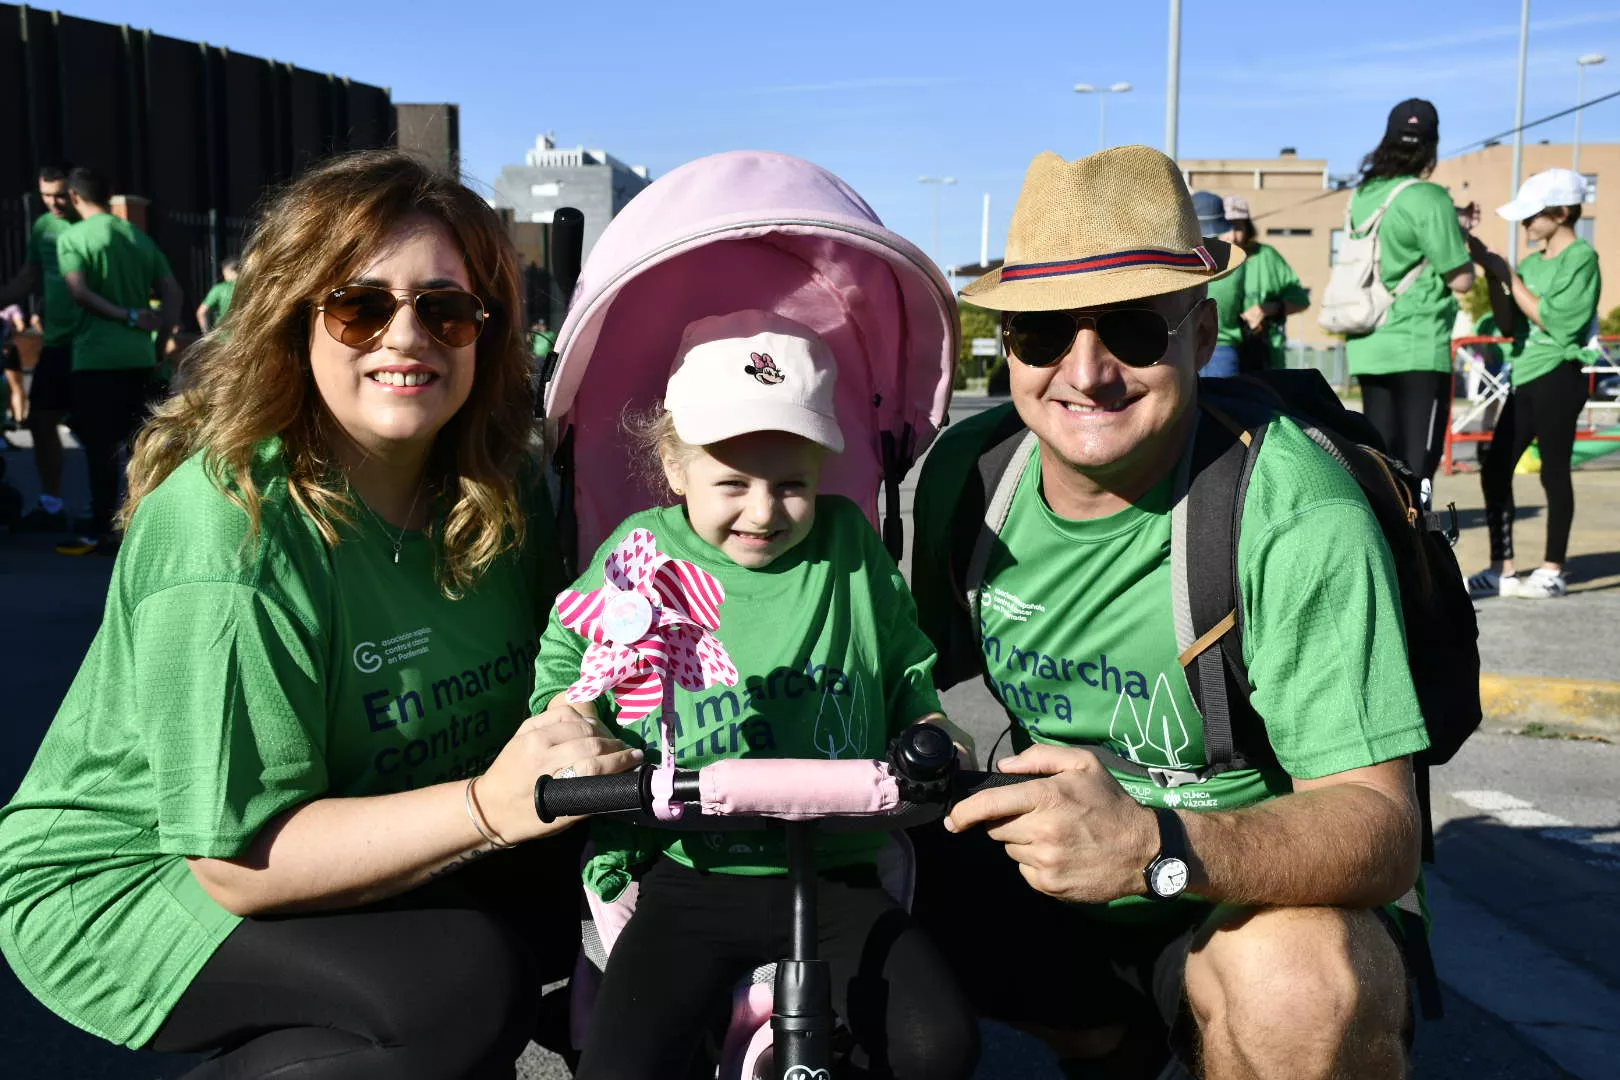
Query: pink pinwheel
[{"x": 651, "y": 627}]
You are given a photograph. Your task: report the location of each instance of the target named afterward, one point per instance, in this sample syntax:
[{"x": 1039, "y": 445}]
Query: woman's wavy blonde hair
[{"x": 251, "y": 380}]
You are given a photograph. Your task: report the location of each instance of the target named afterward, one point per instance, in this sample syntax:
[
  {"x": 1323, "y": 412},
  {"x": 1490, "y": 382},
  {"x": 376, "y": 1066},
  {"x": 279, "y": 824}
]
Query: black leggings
[
  {"x": 1545, "y": 409},
  {"x": 441, "y": 983},
  {"x": 108, "y": 409},
  {"x": 1410, "y": 410},
  {"x": 694, "y": 935}
]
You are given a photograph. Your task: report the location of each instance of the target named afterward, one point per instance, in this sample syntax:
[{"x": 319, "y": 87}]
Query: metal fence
[
  {"x": 196, "y": 244},
  {"x": 1328, "y": 359}
]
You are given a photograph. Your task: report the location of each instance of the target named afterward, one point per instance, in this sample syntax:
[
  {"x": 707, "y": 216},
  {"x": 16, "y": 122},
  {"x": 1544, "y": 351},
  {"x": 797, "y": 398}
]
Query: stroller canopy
[{"x": 750, "y": 230}]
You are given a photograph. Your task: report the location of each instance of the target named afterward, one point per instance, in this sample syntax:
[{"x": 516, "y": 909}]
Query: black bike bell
[{"x": 923, "y": 753}]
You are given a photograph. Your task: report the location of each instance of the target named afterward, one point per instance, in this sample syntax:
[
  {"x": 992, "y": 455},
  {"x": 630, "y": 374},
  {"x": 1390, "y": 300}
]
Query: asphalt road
[{"x": 1526, "y": 892}]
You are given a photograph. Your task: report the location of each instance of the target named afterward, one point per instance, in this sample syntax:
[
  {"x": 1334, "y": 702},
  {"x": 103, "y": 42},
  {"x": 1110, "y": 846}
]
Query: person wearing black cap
[{"x": 1404, "y": 365}]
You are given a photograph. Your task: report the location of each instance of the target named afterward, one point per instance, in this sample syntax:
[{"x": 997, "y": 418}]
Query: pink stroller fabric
[{"x": 739, "y": 230}]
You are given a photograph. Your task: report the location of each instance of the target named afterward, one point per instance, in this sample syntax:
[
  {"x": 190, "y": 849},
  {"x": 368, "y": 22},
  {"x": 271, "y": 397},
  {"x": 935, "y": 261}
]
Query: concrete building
[
  {"x": 1299, "y": 209},
  {"x": 431, "y": 130},
  {"x": 593, "y": 181}
]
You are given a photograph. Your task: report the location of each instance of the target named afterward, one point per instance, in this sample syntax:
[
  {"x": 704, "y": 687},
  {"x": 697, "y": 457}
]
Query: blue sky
[{"x": 882, "y": 92}]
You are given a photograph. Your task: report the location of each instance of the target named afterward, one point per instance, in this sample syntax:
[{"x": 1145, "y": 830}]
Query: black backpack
[{"x": 1441, "y": 630}]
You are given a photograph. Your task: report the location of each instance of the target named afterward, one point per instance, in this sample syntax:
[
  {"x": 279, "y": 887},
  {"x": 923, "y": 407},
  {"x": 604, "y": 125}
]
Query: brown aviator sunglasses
[{"x": 355, "y": 315}]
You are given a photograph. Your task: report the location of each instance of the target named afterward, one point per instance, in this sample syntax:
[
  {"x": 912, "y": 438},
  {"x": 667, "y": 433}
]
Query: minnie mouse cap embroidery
[{"x": 753, "y": 371}]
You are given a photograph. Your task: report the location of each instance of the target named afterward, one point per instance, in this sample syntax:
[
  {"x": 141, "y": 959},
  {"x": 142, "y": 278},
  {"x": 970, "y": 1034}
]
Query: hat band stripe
[{"x": 1194, "y": 260}]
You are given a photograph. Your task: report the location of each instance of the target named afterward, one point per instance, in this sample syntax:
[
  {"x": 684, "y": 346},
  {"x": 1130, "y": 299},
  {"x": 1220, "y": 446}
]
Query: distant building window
[
  {"x": 1591, "y": 186},
  {"x": 1335, "y": 240},
  {"x": 546, "y": 191},
  {"x": 1286, "y": 231},
  {"x": 542, "y": 216},
  {"x": 1586, "y": 229}
]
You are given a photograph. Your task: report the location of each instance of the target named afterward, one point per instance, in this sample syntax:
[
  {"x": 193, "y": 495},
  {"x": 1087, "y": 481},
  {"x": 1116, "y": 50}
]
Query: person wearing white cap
[
  {"x": 1556, "y": 292},
  {"x": 823, "y": 632}
]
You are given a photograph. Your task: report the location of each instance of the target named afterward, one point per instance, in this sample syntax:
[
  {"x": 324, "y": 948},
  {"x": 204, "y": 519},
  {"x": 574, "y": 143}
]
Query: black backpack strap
[
  {"x": 1205, "y": 523},
  {"x": 897, "y": 461}
]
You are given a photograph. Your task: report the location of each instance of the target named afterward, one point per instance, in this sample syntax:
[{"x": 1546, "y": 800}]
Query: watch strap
[{"x": 1172, "y": 835}]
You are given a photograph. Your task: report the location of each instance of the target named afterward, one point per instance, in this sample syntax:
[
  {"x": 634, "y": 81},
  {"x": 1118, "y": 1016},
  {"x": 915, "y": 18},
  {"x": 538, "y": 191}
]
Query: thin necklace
[{"x": 399, "y": 537}]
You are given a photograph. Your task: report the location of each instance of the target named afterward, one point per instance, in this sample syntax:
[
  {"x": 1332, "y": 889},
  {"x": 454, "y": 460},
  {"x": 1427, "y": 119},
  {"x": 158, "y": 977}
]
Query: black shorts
[
  {"x": 1093, "y": 971},
  {"x": 52, "y": 388},
  {"x": 10, "y": 358}
]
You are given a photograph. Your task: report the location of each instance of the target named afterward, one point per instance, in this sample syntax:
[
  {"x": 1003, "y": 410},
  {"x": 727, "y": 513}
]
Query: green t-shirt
[
  {"x": 121, "y": 264},
  {"x": 227, "y": 684},
  {"x": 831, "y": 664},
  {"x": 61, "y": 312},
  {"x": 1568, "y": 288},
  {"x": 541, "y": 343},
  {"x": 1078, "y": 637},
  {"x": 1267, "y": 276},
  {"x": 1421, "y": 224},
  {"x": 1227, "y": 292},
  {"x": 218, "y": 300}
]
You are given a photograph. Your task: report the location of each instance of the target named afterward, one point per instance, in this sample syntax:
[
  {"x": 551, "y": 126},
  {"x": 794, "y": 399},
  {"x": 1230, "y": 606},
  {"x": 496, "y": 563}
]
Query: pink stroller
[
  {"x": 724, "y": 233},
  {"x": 750, "y": 230}
]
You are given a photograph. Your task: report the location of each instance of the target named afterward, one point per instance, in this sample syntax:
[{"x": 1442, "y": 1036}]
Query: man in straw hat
[{"x": 1246, "y": 907}]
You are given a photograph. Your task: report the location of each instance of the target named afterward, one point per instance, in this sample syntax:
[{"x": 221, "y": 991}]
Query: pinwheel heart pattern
[{"x": 651, "y": 627}]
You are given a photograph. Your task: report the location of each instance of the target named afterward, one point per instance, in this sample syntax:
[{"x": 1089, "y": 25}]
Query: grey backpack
[{"x": 1356, "y": 301}]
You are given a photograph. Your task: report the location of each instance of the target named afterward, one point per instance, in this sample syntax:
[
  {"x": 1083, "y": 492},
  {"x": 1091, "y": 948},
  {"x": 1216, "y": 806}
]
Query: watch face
[{"x": 1169, "y": 877}]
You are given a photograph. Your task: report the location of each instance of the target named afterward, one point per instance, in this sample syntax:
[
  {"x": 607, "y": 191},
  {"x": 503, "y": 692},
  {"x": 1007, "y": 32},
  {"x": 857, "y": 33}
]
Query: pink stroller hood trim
[{"x": 750, "y": 229}]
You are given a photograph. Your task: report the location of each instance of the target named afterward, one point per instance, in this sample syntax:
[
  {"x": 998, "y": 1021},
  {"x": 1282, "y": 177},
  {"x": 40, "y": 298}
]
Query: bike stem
[{"x": 801, "y": 1019}]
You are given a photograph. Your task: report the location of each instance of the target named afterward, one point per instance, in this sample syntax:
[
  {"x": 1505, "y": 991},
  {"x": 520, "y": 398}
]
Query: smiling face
[
  {"x": 55, "y": 195},
  {"x": 752, "y": 497},
  {"x": 392, "y": 395},
  {"x": 1538, "y": 227},
  {"x": 1115, "y": 426}
]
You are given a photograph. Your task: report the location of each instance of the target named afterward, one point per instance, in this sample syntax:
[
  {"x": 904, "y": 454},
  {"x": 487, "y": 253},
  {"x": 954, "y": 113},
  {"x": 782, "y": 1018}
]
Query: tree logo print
[
  {"x": 1158, "y": 726},
  {"x": 840, "y": 730}
]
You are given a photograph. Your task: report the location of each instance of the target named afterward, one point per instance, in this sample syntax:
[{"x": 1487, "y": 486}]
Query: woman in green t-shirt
[
  {"x": 248, "y": 829},
  {"x": 1556, "y": 293},
  {"x": 1404, "y": 366}
]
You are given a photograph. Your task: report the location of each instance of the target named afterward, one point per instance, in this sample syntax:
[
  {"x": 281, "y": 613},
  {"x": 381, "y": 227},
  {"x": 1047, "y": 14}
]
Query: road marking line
[{"x": 1516, "y": 813}]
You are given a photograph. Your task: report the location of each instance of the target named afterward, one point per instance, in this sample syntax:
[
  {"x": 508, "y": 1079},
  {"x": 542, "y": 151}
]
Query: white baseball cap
[
  {"x": 1555, "y": 187},
  {"x": 752, "y": 371}
]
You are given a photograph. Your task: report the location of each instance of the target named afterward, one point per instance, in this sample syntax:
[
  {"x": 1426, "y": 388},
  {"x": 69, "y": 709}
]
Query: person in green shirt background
[
  {"x": 1404, "y": 366},
  {"x": 1271, "y": 289},
  {"x": 50, "y": 391},
  {"x": 211, "y": 312},
  {"x": 112, "y": 269},
  {"x": 1227, "y": 292},
  {"x": 1556, "y": 292},
  {"x": 272, "y": 816}
]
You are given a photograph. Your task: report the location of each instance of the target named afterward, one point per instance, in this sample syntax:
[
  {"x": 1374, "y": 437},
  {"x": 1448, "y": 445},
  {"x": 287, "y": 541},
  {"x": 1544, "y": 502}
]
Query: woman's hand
[
  {"x": 1255, "y": 317},
  {"x": 557, "y": 739}
]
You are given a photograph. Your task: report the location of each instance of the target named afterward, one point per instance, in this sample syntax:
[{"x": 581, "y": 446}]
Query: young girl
[
  {"x": 1556, "y": 289},
  {"x": 822, "y": 630}
]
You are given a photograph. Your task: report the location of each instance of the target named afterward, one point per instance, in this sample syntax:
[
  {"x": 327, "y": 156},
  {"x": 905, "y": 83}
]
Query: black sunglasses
[
  {"x": 1138, "y": 337},
  {"x": 356, "y": 314}
]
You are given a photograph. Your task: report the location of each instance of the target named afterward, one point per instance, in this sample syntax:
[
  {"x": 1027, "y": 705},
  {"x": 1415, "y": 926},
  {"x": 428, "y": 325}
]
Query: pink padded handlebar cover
[{"x": 796, "y": 790}]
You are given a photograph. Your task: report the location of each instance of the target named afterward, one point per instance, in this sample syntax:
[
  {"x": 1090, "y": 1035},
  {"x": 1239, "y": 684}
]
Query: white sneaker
[
  {"x": 1492, "y": 582},
  {"x": 1543, "y": 584}
]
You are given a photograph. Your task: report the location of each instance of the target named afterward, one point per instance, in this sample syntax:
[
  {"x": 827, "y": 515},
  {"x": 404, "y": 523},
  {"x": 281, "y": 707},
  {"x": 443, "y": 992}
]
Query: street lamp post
[
  {"x": 938, "y": 182},
  {"x": 1102, "y": 93},
  {"x": 1589, "y": 60},
  {"x": 1518, "y": 126},
  {"x": 1172, "y": 96}
]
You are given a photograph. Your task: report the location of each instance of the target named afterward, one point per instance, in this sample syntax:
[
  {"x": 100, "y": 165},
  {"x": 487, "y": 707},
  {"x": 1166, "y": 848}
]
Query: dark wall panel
[
  {"x": 92, "y": 84},
  {"x": 16, "y": 172},
  {"x": 176, "y": 115},
  {"x": 248, "y": 112}
]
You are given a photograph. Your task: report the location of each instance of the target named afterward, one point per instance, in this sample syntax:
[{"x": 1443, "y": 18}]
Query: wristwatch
[
  {"x": 1167, "y": 875},
  {"x": 132, "y": 318}
]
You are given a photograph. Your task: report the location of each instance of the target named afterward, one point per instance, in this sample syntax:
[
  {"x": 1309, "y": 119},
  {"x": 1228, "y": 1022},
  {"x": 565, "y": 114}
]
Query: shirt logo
[{"x": 366, "y": 659}]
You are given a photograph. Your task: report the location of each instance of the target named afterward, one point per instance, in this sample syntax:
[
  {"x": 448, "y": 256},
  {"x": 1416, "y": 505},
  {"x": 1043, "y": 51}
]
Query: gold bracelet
[{"x": 477, "y": 818}]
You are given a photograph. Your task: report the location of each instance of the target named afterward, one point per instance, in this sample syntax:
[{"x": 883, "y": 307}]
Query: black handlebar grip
[
  {"x": 970, "y": 783},
  {"x": 576, "y": 795},
  {"x": 567, "y": 245}
]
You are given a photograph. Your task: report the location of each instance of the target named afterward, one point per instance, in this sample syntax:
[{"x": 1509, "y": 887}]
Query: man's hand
[
  {"x": 1075, "y": 833},
  {"x": 1255, "y": 317},
  {"x": 149, "y": 320}
]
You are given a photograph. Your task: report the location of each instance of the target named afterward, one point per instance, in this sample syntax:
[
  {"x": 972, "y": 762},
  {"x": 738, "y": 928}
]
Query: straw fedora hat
[{"x": 1118, "y": 225}]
